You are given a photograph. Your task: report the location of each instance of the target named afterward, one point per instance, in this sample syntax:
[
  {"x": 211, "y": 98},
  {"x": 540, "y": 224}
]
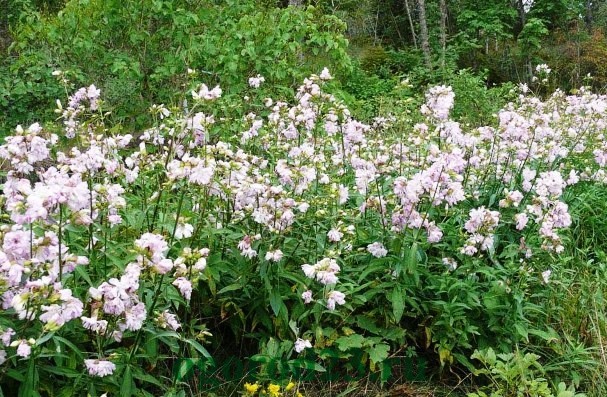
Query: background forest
[
  {"x": 135, "y": 51},
  {"x": 352, "y": 197}
]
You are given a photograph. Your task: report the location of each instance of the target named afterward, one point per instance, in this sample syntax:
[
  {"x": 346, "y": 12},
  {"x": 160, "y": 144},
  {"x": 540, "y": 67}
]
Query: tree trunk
[
  {"x": 443, "y": 33},
  {"x": 522, "y": 14},
  {"x": 411, "y": 26},
  {"x": 423, "y": 33},
  {"x": 588, "y": 18}
]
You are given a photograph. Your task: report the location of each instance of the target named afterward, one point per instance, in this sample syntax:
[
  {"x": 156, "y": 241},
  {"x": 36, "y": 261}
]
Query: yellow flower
[
  {"x": 290, "y": 386},
  {"x": 299, "y": 394},
  {"x": 251, "y": 389},
  {"x": 273, "y": 390}
]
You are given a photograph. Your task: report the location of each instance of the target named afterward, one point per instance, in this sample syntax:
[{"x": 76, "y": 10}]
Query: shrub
[
  {"x": 291, "y": 230},
  {"x": 139, "y": 53}
]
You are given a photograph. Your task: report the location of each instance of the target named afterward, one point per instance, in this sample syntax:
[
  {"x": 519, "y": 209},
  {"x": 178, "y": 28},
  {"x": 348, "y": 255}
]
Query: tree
[
  {"x": 423, "y": 33},
  {"x": 443, "y": 32},
  {"x": 411, "y": 26}
]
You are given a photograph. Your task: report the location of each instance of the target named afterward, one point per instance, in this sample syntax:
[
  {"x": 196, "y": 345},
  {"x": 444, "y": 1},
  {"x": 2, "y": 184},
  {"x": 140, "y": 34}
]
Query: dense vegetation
[{"x": 375, "y": 191}]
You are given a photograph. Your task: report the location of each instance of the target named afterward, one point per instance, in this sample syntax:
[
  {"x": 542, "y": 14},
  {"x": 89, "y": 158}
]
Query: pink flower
[
  {"x": 153, "y": 245},
  {"x": 325, "y": 271},
  {"x": 163, "y": 267},
  {"x": 167, "y": 319},
  {"x": 100, "y": 368},
  {"x": 307, "y": 296},
  {"x": 5, "y": 337},
  {"x": 335, "y": 297},
  {"x": 205, "y": 94},
  {"x": 135, "y": 316},
  {"x": 24, "y": 349},
  {"x": 550, "y": 183},
  {"x": 184, "y": 286},
  {"x": 521, "y": 220},
  {"x": 377, "y": 249},
  {"x": 91, "y": 323},
  {"x": 256, "y": 81},
  {"x": 325, "y": 75},
  {"x": 481, "y": 218},
  {"x": 334, "y": 235},
  {"x": 435, "y": 234},
  {"x": 439, "y": 101}
]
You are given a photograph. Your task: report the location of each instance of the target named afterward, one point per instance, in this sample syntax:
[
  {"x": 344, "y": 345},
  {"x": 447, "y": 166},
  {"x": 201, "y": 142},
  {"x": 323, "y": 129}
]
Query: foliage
[
  {"x": 139, "y": 52},
  {"x": 517, "y": 375},
  {"x": 290, "y": 233}
]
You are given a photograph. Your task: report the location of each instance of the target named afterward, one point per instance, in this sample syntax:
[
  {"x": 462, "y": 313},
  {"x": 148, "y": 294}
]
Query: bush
[
  {"x": 288, "y": 232},
  {"x": 139, "y": 53}
]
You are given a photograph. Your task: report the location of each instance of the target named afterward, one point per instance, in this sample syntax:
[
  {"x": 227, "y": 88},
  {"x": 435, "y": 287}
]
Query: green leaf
[
  {"x": 549, "y": 337},
  {"x": 13, "y": 373},
  {"x": 46, "y": 337},
  {"x": 70, "y": 345},
  {"x": 275, "y": 301},
  {"x": 196, "y": 345},
  {"x": 490, "y": 357},
  {"x": 138, "y": 373},
  {"x": 67, "y": 372},
  {"x": 522, "y": 331},
  {"x": 128, "y": 387},
  {"x": 306, "y": 364},
  {"x": 379, "y": 352},
  {"x": 354, "y": 341},
  {"x": 368, "y": 324},
  {"x": 398, "y": 303},
  {"x": 82, "y": 272},
  {"x": 29, "y": 386},
  {"x": 231, "y": 287},
  {"x": 171, "y": 334}
]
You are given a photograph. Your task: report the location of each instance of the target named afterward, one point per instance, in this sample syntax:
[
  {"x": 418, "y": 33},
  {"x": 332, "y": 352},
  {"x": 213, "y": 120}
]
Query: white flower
[
  {"x": 450, "y": 263},
  {"x": 334, "y": 235},
  {"x": 183, "y": 230},
  {"x": 543, "y": 68},
  {"x": 377, "y": 249},
  {"x": 325, "y": 75},
  {"x": 100, "y": 368},
  {"x": 256, "y": 81},
  {"x": 302, "y": 344},
  {"x": 335, "y": 297},
  {"x": 307, "y": 296},
  {"x": 24, "y": 349},
  {"x": 205, "y": 94},
  {"x": 184, "y": 286},
  {"x": 546, "y": 276},
  {"x": 274, "y": 256}
]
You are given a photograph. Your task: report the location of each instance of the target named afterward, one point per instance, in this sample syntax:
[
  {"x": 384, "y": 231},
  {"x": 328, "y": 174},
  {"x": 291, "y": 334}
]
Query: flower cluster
[
  {"x": 324, "y": 271},
  {"x": 76, "y": 106},
  {"x": 439, "y": 102},
  {"x": 481, "y": 225},
  {"x": 251, "y": 186},
  {"x": 256, "y": 81}
]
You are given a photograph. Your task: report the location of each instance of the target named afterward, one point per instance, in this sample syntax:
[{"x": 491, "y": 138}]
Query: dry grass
[{"x": 370, "y": 389}]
